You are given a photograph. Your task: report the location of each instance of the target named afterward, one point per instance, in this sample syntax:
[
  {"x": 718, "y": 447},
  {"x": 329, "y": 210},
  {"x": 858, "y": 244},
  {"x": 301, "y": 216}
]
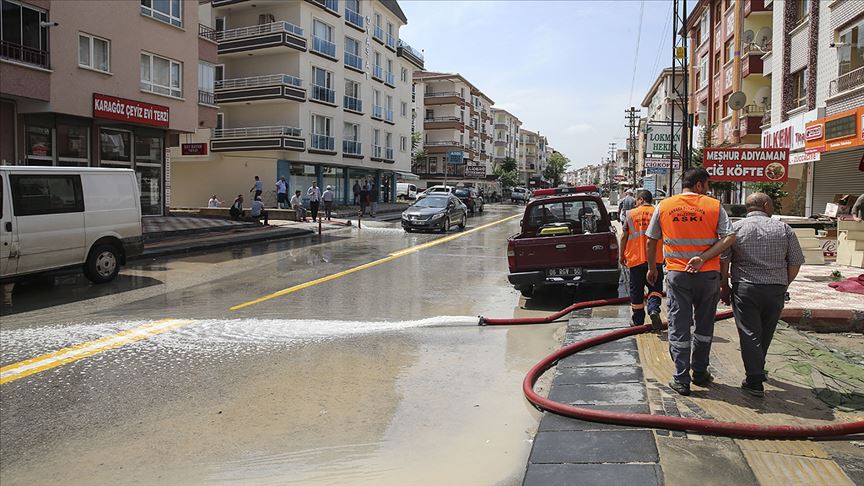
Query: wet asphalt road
[{"x": 377, "y": 376}]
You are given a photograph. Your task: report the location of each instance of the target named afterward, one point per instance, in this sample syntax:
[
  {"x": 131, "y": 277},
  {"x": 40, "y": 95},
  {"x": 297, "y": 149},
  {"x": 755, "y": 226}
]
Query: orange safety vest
[
  {"x": 689, "y": 224},
  {"x": 636, "y": 246}
]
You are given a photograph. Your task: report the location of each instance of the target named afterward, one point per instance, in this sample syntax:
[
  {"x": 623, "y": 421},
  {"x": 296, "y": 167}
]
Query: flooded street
[{"x": 373, "y": 376}]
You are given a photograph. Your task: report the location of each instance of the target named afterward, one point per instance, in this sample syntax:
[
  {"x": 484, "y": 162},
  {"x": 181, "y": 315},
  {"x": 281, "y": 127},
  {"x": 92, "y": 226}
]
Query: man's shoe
[
  {"x": 656, "y": 322},
  {"x": 702, "y": 379},
  {"x": 681, "y": 388},
  {"x": 756, "y": 390}
]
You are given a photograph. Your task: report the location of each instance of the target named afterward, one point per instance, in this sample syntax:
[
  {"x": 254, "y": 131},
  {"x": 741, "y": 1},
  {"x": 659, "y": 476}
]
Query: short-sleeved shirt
[
  {"x": 314, "y": 194},
  {"x": 259, "y": 186},
  {"x": 328, "y": 196},
  {"x": 281, "y": 187},
  {"x": 257, "y": 207},
  {"x": 295, "y": 201},
  {"x": 764, "y": 248},
  {"x": 655, "y": 232}
]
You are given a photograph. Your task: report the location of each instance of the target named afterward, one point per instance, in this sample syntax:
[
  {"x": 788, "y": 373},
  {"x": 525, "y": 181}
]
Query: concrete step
[{"x": 814, "y": 256}]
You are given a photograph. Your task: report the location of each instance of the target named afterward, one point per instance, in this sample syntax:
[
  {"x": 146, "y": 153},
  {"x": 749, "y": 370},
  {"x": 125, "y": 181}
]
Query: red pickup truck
[{"x": 566, "y": 238}]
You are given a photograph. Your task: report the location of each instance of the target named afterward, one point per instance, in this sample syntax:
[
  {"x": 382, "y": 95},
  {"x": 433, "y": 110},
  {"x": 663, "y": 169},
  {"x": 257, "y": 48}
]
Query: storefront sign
[
  {"x": 455, "y": 157},
  {"x": 837, "y": 132},
  {"x": 656, "y": 170},
  {"x": 747, "y": 164},
  {"x": 478, "y": 171},
  {"x": 193, "y": 148},
  {"x": 620, "y": 178},
  {"x": 804, "y": 157},
  {"x": 657, "y": 163},
  {"x": 659, "y": 138},
  {"x": 790, "y": 134},
  {"x": 129, "y": 111}
]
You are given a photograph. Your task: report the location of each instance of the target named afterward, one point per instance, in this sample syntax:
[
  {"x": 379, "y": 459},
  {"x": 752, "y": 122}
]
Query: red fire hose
[{"x": 702, "y": 426}]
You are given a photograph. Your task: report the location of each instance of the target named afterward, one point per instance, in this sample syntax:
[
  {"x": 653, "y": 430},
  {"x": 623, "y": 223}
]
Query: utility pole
[
  {"x": 612, "y": 160},
  {"x": 632, "y": 124},
  {"x": 680, "y": 95}
]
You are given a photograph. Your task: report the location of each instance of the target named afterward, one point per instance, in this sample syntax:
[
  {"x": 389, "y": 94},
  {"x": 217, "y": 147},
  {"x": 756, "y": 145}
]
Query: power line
[
  {"x": 655, "y": 68},
  {"x": 636, "y": 57}
]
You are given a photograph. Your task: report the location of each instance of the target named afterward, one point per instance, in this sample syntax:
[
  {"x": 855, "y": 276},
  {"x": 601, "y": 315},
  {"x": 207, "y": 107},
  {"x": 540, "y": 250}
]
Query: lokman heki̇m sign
[{"x": 747, "y": 164}]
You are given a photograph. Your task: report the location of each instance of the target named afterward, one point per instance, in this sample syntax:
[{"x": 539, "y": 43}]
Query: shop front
[
  {"x": 301, "y": 175},
  {"x": 839, "y": 142},
  {"x": 791, "y": 134}
]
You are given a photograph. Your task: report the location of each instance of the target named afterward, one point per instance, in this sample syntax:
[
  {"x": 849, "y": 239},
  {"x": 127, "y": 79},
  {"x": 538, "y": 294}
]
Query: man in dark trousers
[
  {"x": 633, "y": 252},
  {"x": 356, "y": 190},
  {"x": 764, "y": 260},
  {"x": 258, "y": 187}
]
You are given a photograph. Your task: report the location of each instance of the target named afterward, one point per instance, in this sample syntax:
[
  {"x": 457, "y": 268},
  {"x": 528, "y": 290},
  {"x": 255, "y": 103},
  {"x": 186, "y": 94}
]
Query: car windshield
[
  {"x": 432, "y": 202},
  {"x": 461, "y": 193},
  {"x": 559, "y": 212},
  {"x": 439, "y": 189}
]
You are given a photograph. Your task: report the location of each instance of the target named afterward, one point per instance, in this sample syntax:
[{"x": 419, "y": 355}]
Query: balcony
[
  {"x": 206, "y": 32},
  {"x": 355, "y": 20},
  {"x": 256, "y": 89},
  {"x": 378, "y": 34},
  {"x": 391, "y": 80},
  {"x": 442, "y": 122},
  {"x": 323, "y": 94},
  {"x": 388, "y": 154},
  {"x": 324, "y": 47},
  {"x": 500, "y": 126},
  {"x": 391, "y": 42},
  {"x": 377, "y": 151},
  {"x": 264, "y": 38},
  {"x": 323, "y": 143},
  {"x": 847, "y": 82},
  {"x": 352, "y": 147},
  {"x": 443, "y": 98},
  {"x": 377, "y": 112},
  {"x": 499, "y": 143},
  {"x": 23, "y": 54},
  {"x": 353, "y": 61},
  {"x": 751, "y": 64},
  {"x": 442, "y": 147},
  {"x": 352, "y": 104},
  {"x": 388, "y": 116},
  {"x": 410, "y": 54},
  {"x": 754, "y": 6},
  {"x": 257, "y": 138},
  {"x": 206, "y": 97},
  {"x": 378, "y": 73},
  {"x": 750, "y": 121}
]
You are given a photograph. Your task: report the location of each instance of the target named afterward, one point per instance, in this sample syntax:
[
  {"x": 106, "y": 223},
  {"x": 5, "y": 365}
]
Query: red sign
[
  {"x": 814, "y": 132},
  {"x": 193, "y": 148},
  {"x": 747, "y": 164},
  {"x": 129, "y": 111}
]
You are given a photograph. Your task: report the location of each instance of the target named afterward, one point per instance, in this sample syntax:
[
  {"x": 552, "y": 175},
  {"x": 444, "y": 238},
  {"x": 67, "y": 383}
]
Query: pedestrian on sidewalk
[
  {"x": 214, "y": 202},
  {"x": 356, "y": 190},
  {"x": 297, "y": 206},
  {"x": 633, "y": 253},
  {"x": 373, "y": 199},
  {"x": 764, "y": 260},
  {"x": 328, "y": 197},
  {"x": 695, "y": 230},
  {"x": 281, "y": 193},
  {"x": 236, "y": 210},
  {"x": 364, "y": 197},
  {"x": 258, "y": 187},
  {"x": 626, "y": 204},
  {"x": 314, "y": 195},
  {"x": 258, "y": 212}
]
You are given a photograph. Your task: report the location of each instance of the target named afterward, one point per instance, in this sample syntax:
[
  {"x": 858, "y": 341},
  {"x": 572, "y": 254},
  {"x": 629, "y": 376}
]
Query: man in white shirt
[
  {"x": 258, "y": 187},
  {"x": 214, "y": 202},
  {"x": 281, "y": 192},
  {"x": 314, "y": 195},
  {"x": 258, "y": 211},
  {"x": 297, "y": 206},
  {"x": 328, "y": 198}
]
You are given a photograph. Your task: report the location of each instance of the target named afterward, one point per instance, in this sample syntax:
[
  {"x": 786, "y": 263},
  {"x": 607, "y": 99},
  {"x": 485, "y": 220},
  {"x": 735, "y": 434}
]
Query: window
[
  {"x": 729, "y": 50},
  {"x": 352, "y": 131},
  {"x": 46, "y": 194},
  {"x": 322, "y": 133},
  {"x": 376, "y": 140},
  {"x": 800, "y": 10},
  {"x": 168, "y": 11},
  {"x": 377, "y": 109},
  {"x": 404, "y": 75},
  {"x": 352, "y": 96},
  {"x": 39, "y": 145},
  {"x": 94, "y": 52},
  {"x": 403, "y": 143},
  {"x": 220, "y": 121},
  {"x": 377, "y": 70},
  {"x": 24, "y": 36},
  {"x": 115, "y": 147},
  {"x": 352, "y": 53},
  {"x": 850, "y": 54},
  {"x": 702, "y": 76},
  {"x": 799, "y": 88},
  {"x": 322, "y": 38},
  {"x": 322, "y": 85},
  {"x": 206, "y": 83},
  {"x": 73, "y": 145},
  {"x": 161, "y": 75},
  {"x": 403, "y": 110},
  {"x": 389, "y": 108},
  {"x": 149, "y": 149},
  {"x": 704, "y": 29},
  {"x": 351, "y": 139}
]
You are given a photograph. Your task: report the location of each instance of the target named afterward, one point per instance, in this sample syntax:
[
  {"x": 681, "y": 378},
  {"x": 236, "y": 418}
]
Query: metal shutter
[{"x": 836, "y": 173}]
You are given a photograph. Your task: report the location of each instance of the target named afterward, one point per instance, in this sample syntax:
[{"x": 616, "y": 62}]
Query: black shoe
[
  {"x": 756, "y": 390},
  {"x": 656, "y": 322},
  {"x": 702, "y": 379},
  {"x": 681, "y": 388}
]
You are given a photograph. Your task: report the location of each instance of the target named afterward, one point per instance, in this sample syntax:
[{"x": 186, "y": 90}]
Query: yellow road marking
[
  {"x": 71, "y": 354},
  {"x": 392, "y": 256}
]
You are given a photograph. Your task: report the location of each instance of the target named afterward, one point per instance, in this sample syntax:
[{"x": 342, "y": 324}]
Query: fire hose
[{"x": 702, "y": 426}]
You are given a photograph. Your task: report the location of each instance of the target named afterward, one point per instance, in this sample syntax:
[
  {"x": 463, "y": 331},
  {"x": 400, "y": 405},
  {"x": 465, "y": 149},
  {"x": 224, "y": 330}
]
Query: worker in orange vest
[
  {"x": 633, "y": 252},
  {"x": 695, "y": 230}
]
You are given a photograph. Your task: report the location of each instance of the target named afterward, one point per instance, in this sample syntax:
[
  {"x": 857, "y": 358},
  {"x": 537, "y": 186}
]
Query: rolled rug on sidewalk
[{"x": 854, "y": 285}]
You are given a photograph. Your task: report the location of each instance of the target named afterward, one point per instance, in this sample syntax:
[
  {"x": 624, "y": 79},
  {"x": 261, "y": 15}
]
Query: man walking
[
  {"x": 356, "y": 190},
  {"x": 314, "y": 195},
  {"x": 626, "y": 204},
  {"x": 633, "y": 253},
  {"x": 373, "y": 199},
  {"x": 258, "y": 187},
  {"x": 328, "y": 198},
  {"x": 281, "y": 193},
  {"x": 764, "y": 260},
  {"x": 695, "y": 230},
  {"x": 364, "y": 197}
]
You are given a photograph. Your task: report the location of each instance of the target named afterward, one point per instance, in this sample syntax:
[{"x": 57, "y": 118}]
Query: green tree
[
  {"x": 507, "y": 178},
  {"x": 508, "y": 164},
  {"x": 774, "y": 190},
  {"x": 555, "y": 167},
  {"x": 418, "y": 154}
]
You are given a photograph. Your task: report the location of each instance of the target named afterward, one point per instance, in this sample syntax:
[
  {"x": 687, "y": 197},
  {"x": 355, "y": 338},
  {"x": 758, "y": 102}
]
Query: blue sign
[
  {"x": 656, "y": 170},
  {"x": 455, "y": 157}
]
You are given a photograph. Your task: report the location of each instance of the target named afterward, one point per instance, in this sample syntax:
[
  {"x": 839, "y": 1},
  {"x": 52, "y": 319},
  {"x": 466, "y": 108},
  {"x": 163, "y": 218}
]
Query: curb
[
  {"x": 228, "y": 241},
  {"x": 155, "y": 236},
  {"x": 824, "y": 320}
]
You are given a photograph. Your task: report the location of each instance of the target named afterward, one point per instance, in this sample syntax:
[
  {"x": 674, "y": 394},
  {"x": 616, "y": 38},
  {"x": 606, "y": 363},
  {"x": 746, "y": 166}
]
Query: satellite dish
[
  {"x": 748, "y": 36},
  {"x": 762, "y": 96},
  {"x": 737, "y": 100},
  {"x": 763, "y": 38}
]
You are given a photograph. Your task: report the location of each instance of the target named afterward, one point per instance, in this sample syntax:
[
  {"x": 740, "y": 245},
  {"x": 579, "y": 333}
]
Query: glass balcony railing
[
  {"x": 352, "y": 147},
  {"x": 388, "y": 153},
  {"x": 377, "y": 111},
  {"x": 323, "y": 142},
  {"x": 352, "y": 103},
  {"x": 354, "y": 18},
  {"x": 323, "y": 46},
  {"x": 332, "y": 5},
  {"x": 353, "y": 60},
  {"x": 391, "y": 42},
  {"x": 411, "y": 50},
  {"x": 391, "y": 79},
  {"x": 389, "y": 116},
  {"x": 322, "y": 93},
  {"x": 378, "y": 73},
  {"x": 376, "y": 151},
  {"x": 378, "y": 33}
]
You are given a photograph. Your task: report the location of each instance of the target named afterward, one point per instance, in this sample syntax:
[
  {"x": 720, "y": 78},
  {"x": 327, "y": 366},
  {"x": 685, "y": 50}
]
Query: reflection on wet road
[{"x": 380, "y": 376}]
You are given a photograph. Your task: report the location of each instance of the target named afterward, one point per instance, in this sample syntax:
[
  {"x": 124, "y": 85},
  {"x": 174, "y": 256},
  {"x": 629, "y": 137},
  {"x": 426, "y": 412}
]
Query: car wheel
[
  {"x": 408, "y": 230},
  {"x": 481, "y": 208},
  {"x": 464, "y": 221},
  {"x": 446, "y": 226},
  {"x": 102, "y": 264},
  {"x": 527, "y": 291}
]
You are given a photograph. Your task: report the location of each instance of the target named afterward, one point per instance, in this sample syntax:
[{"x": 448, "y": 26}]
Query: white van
[
  {"x": 406, "y": 190},
  {"x": 520, "y": 194},
  {"x": 58, "y": 217}
]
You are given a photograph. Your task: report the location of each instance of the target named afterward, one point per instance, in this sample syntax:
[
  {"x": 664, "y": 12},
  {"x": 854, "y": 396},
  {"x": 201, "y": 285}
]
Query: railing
[
  {"x": 271, "y": 131},
  {"x": 378, "y": 33},
  {"x": 388, "y": 153},
  {"x": 766, "y": 118},
  {"x": 442, "y": 119},
  {"x": 352, "y": 147},
  {"x": 378, "y": 72},
  {"x": 445, "y": 143},
  {"x": 331, "y": 5},
  {"x": 414, "y": 52},
  {"x": 389, "y": 116},
  {"x": 430, "y": 94},
  {"x": 391, "y": 41},
  {"x": 353, "y": 60},
  {"x": 353, "y": 17},
  {"x": 322, "y": 93},
  {"x": 846, "y": 82},
  {"x": 377, "y": 111},
  {"x": 257, "y": 81},
  {"x": 206, "y": 32},
  {"x": 255, "y": 30},
  {"x": 391, "y": 79},
  {"x": 323, "y": 46},
  {"x": 323, "y": 142},
  {"x": 352, "y": 103},
  {"x": 27, "y": 55},
  {"x": 376, "y": 151},
  {"x": 206, "y": 97},
  {"x": 754, "y": 110}
]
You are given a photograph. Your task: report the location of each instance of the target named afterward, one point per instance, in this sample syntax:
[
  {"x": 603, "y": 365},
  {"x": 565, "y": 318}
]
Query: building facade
[
  {"x": 506, "y": 128},
  {"x": 306, "y": 90},
  {"x": 660, "y": 108},
  {"x": 77, "y": 90}
]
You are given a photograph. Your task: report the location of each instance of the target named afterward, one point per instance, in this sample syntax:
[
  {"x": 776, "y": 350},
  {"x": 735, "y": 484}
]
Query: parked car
[
  {"x": 470, "y": 197},
  {"x": 406, "y": 190},
  {"x": 565, "y": 239},
  {"x": 436, "y": 190},
  {"x": 520, "y": 194},
  {"x": 59, "y": 217},
  {"x": 435, "y": 212}
]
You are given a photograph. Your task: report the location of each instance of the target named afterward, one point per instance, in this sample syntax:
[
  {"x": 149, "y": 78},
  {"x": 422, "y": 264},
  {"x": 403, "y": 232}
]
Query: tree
[
  {"x": 555, "y": 167},
  {"x": 508, "y": 164},
  {"x": 507, "y": 172},
  {"x": 418, "y": 154},
  {"x": 774, "y": 190}
]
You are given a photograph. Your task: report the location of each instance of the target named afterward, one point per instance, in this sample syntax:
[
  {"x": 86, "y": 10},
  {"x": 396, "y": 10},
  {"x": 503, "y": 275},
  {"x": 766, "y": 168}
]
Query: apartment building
[
  {"x": 506, "y": 128},
  {"x": 306, "y": 90},
  {"x": 456, "y": 131},
  {"x": 655, "y": 129},
  {"x": 79, "y": 90},
  {"x": 529, "y": 158}
]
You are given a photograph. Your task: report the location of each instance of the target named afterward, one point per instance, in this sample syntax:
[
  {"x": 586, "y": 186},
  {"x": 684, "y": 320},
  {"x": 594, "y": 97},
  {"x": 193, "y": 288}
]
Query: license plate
[{"x": 564, "y": 272}]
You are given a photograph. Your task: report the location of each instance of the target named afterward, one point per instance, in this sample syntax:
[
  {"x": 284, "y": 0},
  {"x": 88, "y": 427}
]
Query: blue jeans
[{"x": 638, "y": 282}]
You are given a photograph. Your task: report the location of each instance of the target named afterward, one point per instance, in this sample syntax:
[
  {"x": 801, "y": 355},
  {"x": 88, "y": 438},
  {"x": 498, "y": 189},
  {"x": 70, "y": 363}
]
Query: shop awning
[{"x": 407, "y": 176}]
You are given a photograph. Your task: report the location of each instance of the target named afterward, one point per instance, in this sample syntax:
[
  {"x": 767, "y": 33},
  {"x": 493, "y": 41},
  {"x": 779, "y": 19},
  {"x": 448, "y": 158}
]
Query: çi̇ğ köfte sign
[
  {"x": 129, "y": 111},
  {"x": 747, "y": 164}
]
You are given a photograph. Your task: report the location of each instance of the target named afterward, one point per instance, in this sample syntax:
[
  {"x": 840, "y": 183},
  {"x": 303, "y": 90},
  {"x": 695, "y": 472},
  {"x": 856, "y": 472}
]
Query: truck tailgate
[{"x": 544, "y": 252}]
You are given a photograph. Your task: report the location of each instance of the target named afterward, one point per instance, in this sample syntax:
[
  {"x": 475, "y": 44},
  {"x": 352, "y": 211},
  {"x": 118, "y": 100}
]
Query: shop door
[{"x": 836, "y": 173}]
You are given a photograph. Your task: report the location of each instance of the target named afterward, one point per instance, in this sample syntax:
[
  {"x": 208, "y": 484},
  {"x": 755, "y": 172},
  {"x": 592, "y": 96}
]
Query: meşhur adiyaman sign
[{"x": 747, "y": 164}]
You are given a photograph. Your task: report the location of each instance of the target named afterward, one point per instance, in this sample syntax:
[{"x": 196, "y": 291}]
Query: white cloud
[{"x": 579, "y": 128}]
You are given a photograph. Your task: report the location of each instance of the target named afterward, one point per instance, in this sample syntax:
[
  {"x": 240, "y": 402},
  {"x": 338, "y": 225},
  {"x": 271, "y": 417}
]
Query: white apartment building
[
  {"x": 660, "y": 107},
  {"x": 455, "y": 120},
  {"x": 506, "y": 136},
  {"x": 529, "y": 152},
  {"x": 306, "y": 90}
]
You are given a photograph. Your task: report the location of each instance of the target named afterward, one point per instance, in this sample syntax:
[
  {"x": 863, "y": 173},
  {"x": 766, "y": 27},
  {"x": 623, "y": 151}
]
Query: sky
[{"x": 565, "y": 68}]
